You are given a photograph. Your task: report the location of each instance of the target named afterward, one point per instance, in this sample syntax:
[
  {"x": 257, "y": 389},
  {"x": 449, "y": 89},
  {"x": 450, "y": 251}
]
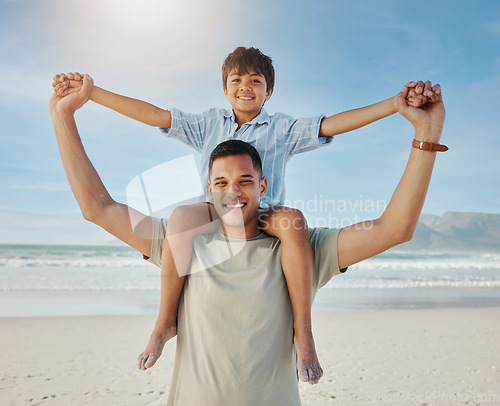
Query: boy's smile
[{"x": 246, "y": 93}]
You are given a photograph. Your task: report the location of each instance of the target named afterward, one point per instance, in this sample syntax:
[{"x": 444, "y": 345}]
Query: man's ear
[
  {"x": 263, "y": 187},
  {"x": 210, "y": 190}
]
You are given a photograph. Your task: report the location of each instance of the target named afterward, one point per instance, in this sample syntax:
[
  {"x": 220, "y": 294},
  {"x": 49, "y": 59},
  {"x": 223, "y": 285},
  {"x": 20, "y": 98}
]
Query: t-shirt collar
[{"x": 219, "y": 235}]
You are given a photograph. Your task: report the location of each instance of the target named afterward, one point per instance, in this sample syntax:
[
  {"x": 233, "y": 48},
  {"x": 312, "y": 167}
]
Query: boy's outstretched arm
[
  {"x": 137, "y": 109},
  {"x": 353, "y": 119}
]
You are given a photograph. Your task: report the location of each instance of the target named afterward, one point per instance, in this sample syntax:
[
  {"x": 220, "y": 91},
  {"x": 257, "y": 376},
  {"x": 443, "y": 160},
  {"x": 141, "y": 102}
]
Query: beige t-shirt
[{"x": 235, "y": 320}]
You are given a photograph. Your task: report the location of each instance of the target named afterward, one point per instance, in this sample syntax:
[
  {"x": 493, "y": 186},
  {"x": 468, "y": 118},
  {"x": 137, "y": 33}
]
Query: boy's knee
[
  {"x": 187, "y": 217},
  {"x": 283, "y": 219},
  {"x": 179, "y": 213}
]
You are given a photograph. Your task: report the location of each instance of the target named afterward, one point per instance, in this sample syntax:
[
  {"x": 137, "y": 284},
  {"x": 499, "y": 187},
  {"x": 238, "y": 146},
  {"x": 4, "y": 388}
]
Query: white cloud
[{"x": 49, "y": 187}]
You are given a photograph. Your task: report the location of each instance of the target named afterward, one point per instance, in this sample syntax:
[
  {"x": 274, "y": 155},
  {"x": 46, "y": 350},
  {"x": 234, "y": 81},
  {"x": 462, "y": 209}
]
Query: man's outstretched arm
[
  {"x": 94, "y": 200},
  {"x": 397, "y": 224}
]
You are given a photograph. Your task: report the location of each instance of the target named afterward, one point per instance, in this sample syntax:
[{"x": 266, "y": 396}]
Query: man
[{"x": 235, "y": 324}]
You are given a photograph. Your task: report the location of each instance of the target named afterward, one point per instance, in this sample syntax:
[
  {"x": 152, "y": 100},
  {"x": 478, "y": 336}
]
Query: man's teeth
[{"x": 232, "y": 206}]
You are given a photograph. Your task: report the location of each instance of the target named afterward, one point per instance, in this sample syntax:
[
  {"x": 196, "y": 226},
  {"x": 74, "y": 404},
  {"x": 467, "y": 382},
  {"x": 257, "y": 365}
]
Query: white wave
[
  {"x": 79, "y": 288},
  {"x": 404, "y": 284},
  {"x": 398, "y": 264},
  {"x": 21, "y": 262}
]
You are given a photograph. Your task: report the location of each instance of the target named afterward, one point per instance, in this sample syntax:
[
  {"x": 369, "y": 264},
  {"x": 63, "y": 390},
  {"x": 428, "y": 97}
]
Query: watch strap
[{"x": 429, "y": 146}]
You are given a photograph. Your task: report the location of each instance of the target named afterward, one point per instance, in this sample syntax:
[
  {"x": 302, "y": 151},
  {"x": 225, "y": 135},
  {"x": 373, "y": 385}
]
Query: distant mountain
[{"x": 455, "y": 231}]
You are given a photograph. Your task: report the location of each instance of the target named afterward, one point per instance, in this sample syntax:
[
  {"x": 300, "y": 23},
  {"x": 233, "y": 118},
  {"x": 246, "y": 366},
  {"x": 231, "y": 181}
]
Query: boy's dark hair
[
  {"x": 243, "y": 59},
  {"x": 236, "y": 147}
]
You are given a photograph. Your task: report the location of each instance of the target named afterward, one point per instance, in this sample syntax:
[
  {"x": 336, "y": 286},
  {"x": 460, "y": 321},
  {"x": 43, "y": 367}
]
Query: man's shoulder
[
  {"x": 317, "y": 232},
  {"x": 323, "y": 240},
  {"x": 325, "y": 255},
  {"x": 324, "y": 244}
]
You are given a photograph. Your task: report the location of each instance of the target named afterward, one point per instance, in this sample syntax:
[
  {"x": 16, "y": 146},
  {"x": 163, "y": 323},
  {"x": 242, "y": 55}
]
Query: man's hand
[
  {"x": 428, "y": 118},
  {"x": 65, "y": 84},
  {"x": 419, "y": 93},
  {"x": 73, "y": 98}
]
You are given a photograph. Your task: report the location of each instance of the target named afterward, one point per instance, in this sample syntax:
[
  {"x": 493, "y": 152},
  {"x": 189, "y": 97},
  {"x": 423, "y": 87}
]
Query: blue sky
[{"x": 329, "y": 56}]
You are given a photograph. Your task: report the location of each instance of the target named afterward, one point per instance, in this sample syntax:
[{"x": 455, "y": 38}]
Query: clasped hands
[{"x": 419, "y": 93}]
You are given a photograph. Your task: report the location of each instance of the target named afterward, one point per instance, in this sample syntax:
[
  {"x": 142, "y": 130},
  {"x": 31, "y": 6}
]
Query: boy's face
[
  {"x": 246, "y": 93},
  {"x": 236, "y": 188}
]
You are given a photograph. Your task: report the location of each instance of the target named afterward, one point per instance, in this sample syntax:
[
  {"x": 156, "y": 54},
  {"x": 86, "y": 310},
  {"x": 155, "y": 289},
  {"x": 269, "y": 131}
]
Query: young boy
[{"x": 248, "y": 82}]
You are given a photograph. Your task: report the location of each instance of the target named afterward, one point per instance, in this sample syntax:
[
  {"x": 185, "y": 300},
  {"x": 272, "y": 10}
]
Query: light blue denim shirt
[{"x": 277, "y": 137}]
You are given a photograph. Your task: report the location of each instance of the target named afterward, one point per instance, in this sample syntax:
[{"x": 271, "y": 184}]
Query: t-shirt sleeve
[
  {"x": 157, "y": 237},
  {"x": 326, "y": 263},
  {"x": 302, "y": 134},
  {"x": 188, "y": 128}
]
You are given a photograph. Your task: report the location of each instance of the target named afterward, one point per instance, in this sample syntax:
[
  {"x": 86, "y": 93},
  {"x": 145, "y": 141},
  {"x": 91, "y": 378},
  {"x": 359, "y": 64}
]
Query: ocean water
[{"x": 83, "y": 280}]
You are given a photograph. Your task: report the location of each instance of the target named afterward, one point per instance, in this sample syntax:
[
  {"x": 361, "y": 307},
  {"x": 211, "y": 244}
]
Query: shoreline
[
  {"x": 367, "y": 357},
  {"x": 60, "y": 303}
]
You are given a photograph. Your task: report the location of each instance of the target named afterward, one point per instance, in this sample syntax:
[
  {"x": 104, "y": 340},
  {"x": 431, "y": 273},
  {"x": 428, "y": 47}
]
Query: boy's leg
[
  {"x": 184, "y": 224},
  {"x": 290, "y": 226},
  {"x": 166, "y": 322}
]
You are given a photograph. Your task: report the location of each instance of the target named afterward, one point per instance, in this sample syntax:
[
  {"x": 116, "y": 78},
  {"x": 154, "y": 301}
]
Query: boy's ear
[
  {"x": 269, "y": 94},
  {"x": 226, "y": 94},
  {"x": 263, "y": 187}
]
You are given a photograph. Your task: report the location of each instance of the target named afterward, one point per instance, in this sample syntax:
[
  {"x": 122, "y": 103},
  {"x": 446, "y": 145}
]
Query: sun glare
[
  {"x": 141, "y": 6},
  {"x": 145, "y": 11}
]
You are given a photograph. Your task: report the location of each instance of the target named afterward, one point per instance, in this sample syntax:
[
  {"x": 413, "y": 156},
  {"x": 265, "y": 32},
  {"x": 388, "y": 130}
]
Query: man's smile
[{"x": 234, "y": 205}]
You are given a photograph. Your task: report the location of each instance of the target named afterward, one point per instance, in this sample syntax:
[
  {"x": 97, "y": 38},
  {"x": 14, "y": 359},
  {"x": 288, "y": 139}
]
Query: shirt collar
[{"x": 262, "y": 118}]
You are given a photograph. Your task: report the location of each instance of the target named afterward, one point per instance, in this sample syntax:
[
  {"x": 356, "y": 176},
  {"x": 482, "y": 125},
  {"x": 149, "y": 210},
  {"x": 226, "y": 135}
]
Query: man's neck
[{"x": 240, "y": 233}]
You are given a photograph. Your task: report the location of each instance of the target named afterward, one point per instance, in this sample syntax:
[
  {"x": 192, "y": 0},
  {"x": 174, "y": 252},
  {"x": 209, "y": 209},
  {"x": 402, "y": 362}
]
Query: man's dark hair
[
  {"x": 243, "y": 60},
  {"x": 236, "y": 147}
]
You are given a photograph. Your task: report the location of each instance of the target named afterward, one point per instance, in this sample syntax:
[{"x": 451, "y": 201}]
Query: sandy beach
[{"x": 415, "y": 357}]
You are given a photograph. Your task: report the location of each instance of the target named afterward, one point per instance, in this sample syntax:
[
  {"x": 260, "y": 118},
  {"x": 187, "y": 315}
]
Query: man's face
[
  {"x": 246, "y": 93},
  {"x": 236, "y": 188}
]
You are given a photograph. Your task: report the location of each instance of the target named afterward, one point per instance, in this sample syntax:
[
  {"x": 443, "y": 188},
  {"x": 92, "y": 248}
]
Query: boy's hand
[
  {"x": 419, "y": 93},
  {"x": 65, "y": 84}
]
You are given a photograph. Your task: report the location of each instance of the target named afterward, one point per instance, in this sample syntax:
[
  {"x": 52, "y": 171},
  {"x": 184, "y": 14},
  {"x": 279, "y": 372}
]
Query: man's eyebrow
[{"x": 242, "y": 176}]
